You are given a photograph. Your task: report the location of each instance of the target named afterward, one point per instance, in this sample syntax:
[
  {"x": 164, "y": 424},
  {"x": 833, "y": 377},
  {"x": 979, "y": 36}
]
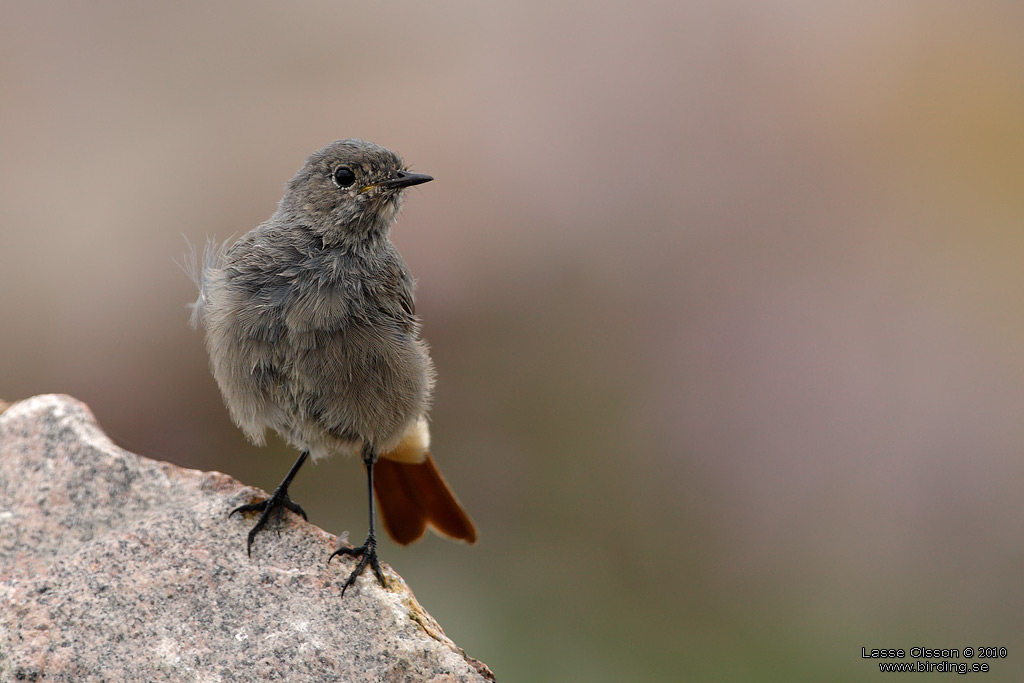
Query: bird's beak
[{"x": 399, "y": 180}]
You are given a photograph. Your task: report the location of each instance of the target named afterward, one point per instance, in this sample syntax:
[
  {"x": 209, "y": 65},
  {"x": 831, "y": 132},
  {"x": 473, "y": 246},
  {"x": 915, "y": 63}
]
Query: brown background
[{"x": 725, "y": 299}]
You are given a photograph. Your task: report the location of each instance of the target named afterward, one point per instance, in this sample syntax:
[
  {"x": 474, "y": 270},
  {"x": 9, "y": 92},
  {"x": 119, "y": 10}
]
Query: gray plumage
[{"x": 310, "y": 318}]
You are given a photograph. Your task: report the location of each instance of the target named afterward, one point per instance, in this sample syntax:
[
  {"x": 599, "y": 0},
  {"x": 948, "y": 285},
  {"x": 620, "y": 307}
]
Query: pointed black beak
[{"x": 404, "y": 179}]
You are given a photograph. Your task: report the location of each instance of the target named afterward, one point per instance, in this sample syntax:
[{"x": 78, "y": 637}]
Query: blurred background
[{"x": 725, "y": 299}]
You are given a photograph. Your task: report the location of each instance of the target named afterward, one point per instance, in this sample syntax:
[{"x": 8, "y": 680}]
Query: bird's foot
[
  {"x": 367, "y": 554},
  {"x": 273, "y": 506}
]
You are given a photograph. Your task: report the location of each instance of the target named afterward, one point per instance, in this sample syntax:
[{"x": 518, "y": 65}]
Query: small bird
[{"x": 312, "y": 331}]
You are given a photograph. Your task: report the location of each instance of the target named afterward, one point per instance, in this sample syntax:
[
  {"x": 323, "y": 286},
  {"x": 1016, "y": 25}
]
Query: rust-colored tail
[{"x": 413, "y": 495}]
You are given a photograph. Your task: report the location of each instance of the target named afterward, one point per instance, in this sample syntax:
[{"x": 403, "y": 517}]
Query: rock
[{"x": 116, "y": 567}]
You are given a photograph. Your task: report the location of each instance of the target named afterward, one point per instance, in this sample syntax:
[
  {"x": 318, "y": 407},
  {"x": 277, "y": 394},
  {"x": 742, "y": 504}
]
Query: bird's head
[{"x": 349, "y": 190}]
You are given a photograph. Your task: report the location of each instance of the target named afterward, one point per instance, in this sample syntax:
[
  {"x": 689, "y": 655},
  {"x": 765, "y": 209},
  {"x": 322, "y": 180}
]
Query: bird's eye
[{"x": 343, "y": 176}]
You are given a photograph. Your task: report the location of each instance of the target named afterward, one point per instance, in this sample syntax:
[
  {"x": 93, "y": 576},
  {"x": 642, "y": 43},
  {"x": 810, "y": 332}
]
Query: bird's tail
[{"x": 412, "y": 496}]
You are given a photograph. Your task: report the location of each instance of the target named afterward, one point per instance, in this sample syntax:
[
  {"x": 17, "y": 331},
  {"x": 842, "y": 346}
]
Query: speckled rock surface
[{"x": 118, "y": 568}]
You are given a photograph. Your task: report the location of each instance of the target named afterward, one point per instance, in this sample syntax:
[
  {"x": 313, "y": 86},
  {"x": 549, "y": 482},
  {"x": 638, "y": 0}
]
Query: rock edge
[{"x": 117, "y": 567}]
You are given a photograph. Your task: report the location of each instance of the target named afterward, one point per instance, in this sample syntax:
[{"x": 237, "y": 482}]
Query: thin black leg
[
  {"x": 367, "y": 552},
  {"x": 277, "y": 502}
]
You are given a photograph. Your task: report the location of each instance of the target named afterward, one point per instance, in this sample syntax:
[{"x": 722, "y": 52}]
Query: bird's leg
[
  {"x": 274, "y": 505},
  {"x": 367, "y": 552}
]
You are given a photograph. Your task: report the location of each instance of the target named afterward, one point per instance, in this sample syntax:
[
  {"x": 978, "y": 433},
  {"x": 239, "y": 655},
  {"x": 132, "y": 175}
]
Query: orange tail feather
[{"x": 413, "y": 495}]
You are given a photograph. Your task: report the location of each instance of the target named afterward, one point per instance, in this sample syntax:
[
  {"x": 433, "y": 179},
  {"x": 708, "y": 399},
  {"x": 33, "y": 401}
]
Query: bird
[{"x": 311, "y": 327}]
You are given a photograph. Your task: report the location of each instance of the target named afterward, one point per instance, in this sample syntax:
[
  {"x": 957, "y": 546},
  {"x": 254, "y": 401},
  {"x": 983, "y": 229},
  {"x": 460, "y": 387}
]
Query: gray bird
[{"x": 312, "y": 331}]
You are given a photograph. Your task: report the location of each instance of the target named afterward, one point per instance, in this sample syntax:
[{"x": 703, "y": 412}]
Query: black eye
[{"x": 343, "y": 176}]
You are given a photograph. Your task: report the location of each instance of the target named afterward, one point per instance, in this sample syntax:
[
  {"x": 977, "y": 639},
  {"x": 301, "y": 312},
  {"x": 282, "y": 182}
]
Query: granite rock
[{"x": 115, "y": 567}]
